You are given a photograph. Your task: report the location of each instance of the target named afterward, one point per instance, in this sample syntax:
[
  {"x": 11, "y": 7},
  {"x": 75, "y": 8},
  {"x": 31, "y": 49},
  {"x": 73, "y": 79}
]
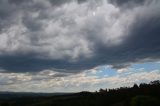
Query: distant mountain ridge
[{"x": 9, "y": 95}]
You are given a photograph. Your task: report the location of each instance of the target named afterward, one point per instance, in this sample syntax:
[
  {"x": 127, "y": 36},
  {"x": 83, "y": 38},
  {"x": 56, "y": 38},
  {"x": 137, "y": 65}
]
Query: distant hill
[
  {"x": 142, "y": 95},
  {"x": 10, "y": 95}
]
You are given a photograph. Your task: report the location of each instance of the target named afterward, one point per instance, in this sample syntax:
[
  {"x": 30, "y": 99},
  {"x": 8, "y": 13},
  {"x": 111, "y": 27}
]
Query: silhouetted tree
[
  {"x": 135, "y": 86},
  {"x": 143, "y": 85},
  {"x": 156, "y": 82},
  {"x": 101, "y": 90}
]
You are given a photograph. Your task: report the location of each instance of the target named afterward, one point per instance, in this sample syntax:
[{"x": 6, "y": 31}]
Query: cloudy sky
[{"x": 75, "y": 45}]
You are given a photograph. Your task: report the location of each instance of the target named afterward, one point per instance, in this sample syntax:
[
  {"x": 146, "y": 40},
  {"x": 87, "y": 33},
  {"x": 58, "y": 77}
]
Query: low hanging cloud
[{"x": 76, "y": 35}]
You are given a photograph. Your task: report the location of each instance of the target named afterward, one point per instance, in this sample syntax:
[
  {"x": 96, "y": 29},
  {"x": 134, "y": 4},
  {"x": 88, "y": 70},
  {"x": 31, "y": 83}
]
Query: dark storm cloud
[
  {"x": 141, "y": 45},
  {"x": 28, "y": 63},
  {"x": 36, "y": 36}
]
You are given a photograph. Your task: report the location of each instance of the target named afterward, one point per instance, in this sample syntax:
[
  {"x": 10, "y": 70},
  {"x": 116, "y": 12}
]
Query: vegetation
[{"x": 142, "y": 95}]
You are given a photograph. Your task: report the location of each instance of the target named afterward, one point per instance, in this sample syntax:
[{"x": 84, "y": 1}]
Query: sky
[{"x": 78, "y": 45}]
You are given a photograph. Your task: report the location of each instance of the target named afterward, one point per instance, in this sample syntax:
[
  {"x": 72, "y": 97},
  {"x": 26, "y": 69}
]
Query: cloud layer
[
  {"x": 76, "y": 35},
  {"x": 49, "y": 81}
]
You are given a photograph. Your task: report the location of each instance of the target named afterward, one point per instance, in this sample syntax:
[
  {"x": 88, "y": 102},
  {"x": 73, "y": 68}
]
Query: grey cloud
[
  {"x": 71, "y": 38},
  {"x": 5, "y": 13},
  {"x": 81, "y": 1},
  {"x": 19, "y": 1},
  {"x": 128, "y": 3},
  {"x": 59, "y": 2},
  {"x": 11, "y": 79}
]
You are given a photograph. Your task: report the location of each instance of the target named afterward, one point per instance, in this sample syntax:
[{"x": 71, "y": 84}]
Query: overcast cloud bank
[{"x": 72, "y": 36}]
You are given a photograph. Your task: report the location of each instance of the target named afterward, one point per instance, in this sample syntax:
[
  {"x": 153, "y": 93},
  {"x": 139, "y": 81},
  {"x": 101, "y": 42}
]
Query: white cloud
[
  {"x": 122, "y": 70},
  {"x": 49, "y": 81}
]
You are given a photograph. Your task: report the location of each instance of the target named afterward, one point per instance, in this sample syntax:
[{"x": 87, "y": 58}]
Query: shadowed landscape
[{"x": 142, "y": 95}]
